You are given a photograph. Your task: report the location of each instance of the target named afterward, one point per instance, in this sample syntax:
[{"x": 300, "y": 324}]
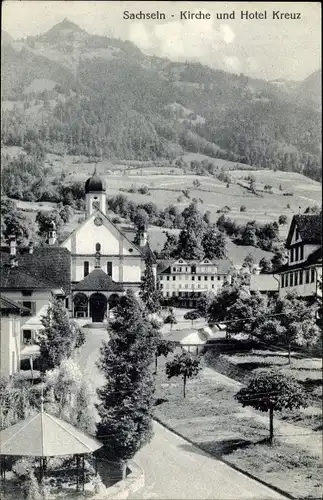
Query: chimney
[
  {"x": 13, "y": 245},
  {"x": 31, "y": 247},
  {"x": 143, "y": 239}
]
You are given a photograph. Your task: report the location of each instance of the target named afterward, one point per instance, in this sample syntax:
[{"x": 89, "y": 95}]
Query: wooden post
[{"x": 83, "y": 472}]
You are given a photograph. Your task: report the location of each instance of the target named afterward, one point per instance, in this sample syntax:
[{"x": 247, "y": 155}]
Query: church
[{"x": 104, "y": 262}]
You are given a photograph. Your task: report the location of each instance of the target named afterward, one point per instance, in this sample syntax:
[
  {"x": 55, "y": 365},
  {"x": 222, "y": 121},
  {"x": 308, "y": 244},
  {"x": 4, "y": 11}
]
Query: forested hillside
[{"x": 96, "y": 96}]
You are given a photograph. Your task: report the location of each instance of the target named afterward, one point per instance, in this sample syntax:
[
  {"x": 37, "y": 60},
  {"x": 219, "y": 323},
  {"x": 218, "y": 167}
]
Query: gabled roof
[
  {"x": 101, "y": 214},
  {"x": 223, "y": 265},
  {"x": 49, "y": 264},
  {"x": 12, "y": 306},
  {"x": 98, "y": 280},
  {"x": 309, "y": 227}
]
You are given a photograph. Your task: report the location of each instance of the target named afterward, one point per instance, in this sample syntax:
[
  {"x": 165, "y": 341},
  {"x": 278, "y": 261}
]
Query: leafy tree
[
  {"x": 126, "y": 399},
  {"x": 170, "y": 246},
  {"x": 214, "y": 243},
  {"x": 59, "y": 337},
  {"x": 171, "y": 320},
  {"x": 192, "y": 315},
  {"x": 282, "y": 220},
  {"x": 295, "y": 324},
  {"x": 83, "y": 417},
  {"x": 196, "y": 183},
  {"x": 249, "y": 236},
  {"x": 265, "y": 265},
  {"x": 164, "y": 347},
  {"x": 246, "y": 313},
  {"x": 248, "y": 262},
  {"x": 148, "y": 292},
  {"x": 204, "y": 303},
  {"x": 44, "y": 219},
  {"x": 279, "y": 258},
  {"x": 14, "y": 222},
  {"x": 190, "y": 245},
  {"x": 183, "y": 365},
  {"x": 270, "y": 391}
]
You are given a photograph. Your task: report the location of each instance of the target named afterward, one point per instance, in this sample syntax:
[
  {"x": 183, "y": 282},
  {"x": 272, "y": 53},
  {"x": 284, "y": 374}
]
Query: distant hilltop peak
[{"x": 65, "y": 27}]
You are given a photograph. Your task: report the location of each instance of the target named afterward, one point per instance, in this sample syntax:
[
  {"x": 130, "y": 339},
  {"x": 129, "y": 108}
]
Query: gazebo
[{"x": 43, "y": 436}]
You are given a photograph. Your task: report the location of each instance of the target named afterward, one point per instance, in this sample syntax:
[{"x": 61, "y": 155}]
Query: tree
[
  {"x": 214, "y": 243},
  {"x": 164, "y": 347},
  {"x": 14, "y": 222},
  {"x": 148, "y": 292},
  {"x": 59, "y": 337},
  {"x": 265, "y": 265},
  {"x": 243, "y": 208},
  {"x": 190, "y": 245},
  {"x": 44, "y": 219},
  {"x": 183, "y": 365},
  {"x": 171, "y": 320},
  {"x": 204, "y": 303},
  {"x": 170, "y": 246},
  {"x": 272, "y": 391},
  {"x": 192, "y": 315},
  {"x": 249, "y": 236},
  {"x": 196, "y": 183},
  {"x": 126, "y": 399},
  {"x": 295, "y": 324},
  {"x": 282, "y": 220},
  {"x": 246, "y": 313},
  {"x": 279, "y": 258},
  {"x": 248, "y": 262}
]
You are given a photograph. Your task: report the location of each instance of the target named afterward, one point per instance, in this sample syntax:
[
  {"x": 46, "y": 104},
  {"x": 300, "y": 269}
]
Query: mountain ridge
[{"x": 130, "y": 98}]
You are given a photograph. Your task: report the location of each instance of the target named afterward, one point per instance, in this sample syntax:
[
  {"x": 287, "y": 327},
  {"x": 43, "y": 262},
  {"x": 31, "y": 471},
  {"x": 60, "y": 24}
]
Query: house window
[
  {"x": 296, "y": 278},
  {"x": 296, "y": 253},
  {"x": 174, "y": 278},
  {"x": 161, "y": 285},
  {"x": 307, "y": 276},
  {"x": 219, "y": 277},
  {"x": 199, "y": 278},
  {"x": 296, "y": 234},
  {"x": 26, "y": 336},
  {"x": 292, "y": 254},
  {"x": 291, "y": 279},
  {"x": 167, "y": 278},
  {"x": 205, "y": 278},
  {"x": 180, "y": 269},
  {"x": 174, "y": 269},
  {"x": 301, "y": 277},
  {"x": 66, "y": 303},
  {"x": 301, "y": 257},
  {"x": 193, "y": 278},
  {"x": 212, "y": 278},
  {"x": 31, "y": 306},
  {"x": 86, "y": 267},
  {"x": 109, "y": 269},
  {"x": 212, "y": 286},
  {"x": 98, "y": 247},
  {"x": 193, "y": 269},
  {"x": 312, "y": 275}
]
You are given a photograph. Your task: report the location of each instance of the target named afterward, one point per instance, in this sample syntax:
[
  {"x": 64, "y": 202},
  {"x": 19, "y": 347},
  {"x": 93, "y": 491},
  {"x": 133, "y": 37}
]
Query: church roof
[
  {"x": 49, "y": 265},
  {"x": 98, "y": 280},
  {"x": 95, "y": 184}
]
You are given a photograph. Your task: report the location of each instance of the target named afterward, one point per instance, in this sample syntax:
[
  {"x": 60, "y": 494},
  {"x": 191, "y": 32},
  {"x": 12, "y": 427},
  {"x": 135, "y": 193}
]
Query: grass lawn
[{"x": 211, "y": 418}]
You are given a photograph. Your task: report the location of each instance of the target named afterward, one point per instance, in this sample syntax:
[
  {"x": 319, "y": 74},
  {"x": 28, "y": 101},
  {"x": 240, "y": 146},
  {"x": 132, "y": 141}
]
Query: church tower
[{"x": 95, "y": 197}]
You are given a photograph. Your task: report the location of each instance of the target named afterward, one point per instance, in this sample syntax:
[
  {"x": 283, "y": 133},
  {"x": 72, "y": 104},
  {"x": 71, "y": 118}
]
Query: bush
[{"x": 243, "y": 208}]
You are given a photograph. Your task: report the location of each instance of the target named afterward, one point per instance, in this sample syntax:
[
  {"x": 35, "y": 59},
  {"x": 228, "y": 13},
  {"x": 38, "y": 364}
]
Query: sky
[{"x": 260, "y": 48}]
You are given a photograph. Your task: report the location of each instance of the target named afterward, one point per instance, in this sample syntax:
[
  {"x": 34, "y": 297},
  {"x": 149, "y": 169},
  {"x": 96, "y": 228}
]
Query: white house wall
[
  {"x": 10, "y": 343},
  {"x": 41, "y": 298}
]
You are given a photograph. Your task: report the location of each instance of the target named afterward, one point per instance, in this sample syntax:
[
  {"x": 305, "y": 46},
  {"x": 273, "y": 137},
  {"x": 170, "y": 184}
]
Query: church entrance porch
[{"x": 98, "y": 307}]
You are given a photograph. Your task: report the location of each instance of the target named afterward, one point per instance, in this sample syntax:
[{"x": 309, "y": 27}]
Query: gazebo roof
[
  {"x": 43, "y": 435},
  {"x": 98, "y": 280}
]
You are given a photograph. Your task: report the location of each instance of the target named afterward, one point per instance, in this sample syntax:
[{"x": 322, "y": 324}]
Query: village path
[{"x": 175, "y": 469}]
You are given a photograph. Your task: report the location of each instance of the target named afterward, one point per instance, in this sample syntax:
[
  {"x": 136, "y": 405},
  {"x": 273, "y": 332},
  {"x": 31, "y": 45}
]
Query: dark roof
[
  {"x": 98, "y": 280},
  {"x": 314, "y": 258},
  {"x": 95, "y": 184},
  {"x": 11, "y": 305},
  {"x": 309, "y": 227},
  {"x": 49, "y": 264},
  {"x": 147, "y": 252},
  {"x": 13, "y": 278}
]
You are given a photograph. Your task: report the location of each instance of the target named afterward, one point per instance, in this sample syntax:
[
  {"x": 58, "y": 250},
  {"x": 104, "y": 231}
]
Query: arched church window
[{"x": 98, "y": 247}]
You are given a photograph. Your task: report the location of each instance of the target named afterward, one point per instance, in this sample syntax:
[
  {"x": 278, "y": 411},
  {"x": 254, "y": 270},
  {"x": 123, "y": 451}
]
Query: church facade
[{"x": 104, "y": 262}]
